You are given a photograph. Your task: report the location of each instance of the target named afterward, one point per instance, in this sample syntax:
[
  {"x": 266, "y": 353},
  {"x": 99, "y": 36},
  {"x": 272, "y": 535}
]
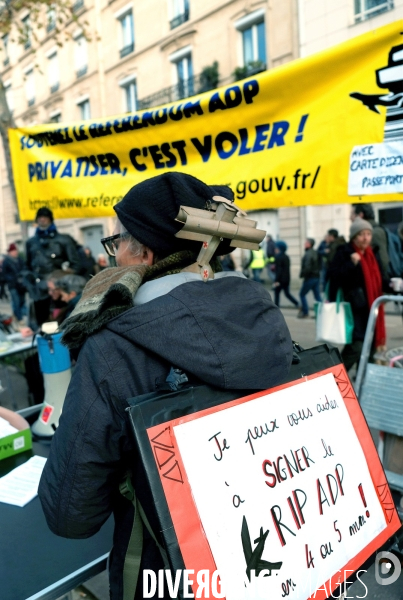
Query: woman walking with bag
[{"x": 356, "y": 269}]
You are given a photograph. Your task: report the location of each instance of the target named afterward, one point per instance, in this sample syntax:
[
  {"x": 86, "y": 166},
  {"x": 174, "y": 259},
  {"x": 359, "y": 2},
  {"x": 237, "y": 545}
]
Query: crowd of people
[
  {"x": 360, "y": 267},
  {"x": 153, "y": 313},
  {"x": 53, "y": 270}
]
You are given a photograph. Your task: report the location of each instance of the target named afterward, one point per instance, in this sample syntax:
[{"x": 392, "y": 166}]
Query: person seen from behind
[
  {"x": 227, "y": 263},
  {"x": 132, "y": 324},
  {"x": 332, "y": 241},
  {"x": 271, "y": 258},
  {"x": 282, "y": 281},
  {"x": 310, "y": 274},
  {"x": 87, "y": 263},
  {"x": 3, "y": 292},
  {"x": 13, "y": 268},
  {"x": 357, "y": 270},
  {"x": 256, "y": 263}
]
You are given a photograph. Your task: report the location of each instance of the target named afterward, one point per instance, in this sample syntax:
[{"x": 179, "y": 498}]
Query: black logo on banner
[{"x": 390, "y": 77}]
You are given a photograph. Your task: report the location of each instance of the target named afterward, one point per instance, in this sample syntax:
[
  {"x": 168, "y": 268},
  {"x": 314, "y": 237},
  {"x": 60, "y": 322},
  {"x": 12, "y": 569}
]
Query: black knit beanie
[
  {"x": 44, "y": 212},
  {"x": 149, "y": 209}
]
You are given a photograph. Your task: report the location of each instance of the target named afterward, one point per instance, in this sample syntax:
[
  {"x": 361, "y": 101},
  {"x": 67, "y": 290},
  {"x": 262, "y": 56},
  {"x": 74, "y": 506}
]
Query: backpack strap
[{"x": 134, "y": 550}]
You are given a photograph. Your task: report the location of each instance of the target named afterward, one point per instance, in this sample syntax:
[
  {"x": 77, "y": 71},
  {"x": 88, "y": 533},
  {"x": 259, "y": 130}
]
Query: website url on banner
[
  {"x": 382, "y": 180},
  {"x": 300, "y": 180},
  {"x": 90, "y": 202}
]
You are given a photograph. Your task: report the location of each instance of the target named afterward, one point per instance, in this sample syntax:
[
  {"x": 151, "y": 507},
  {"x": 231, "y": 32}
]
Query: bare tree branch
[{"x": 22, "y": 20}]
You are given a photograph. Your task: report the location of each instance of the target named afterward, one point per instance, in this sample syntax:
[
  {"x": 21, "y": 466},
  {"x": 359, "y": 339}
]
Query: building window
[
  {"x": 129, "y": 87},
  {"x": 81, "y": 55},
  {"x": 180, "y": 11},
  {"x": 183, "y": 72},
  {"x": 126, "y": 33},
  {"x": 185, "y": 76},
  {"x": 85, "y": 109},
  {"x": 53, "y": 72},
  {"x": 9, "y": 96},
  {"x": 254, "y": 44},
  {"x": 55, "y": 117},
  {"x": 6, "y": 39},
  {"x": 51, "y": 19},
  {"x": 253, "y": 36},
  {"x": 365, "y": 9},
  {"x": 26, "y": 28},
  {"x": 30, "y": 86}
]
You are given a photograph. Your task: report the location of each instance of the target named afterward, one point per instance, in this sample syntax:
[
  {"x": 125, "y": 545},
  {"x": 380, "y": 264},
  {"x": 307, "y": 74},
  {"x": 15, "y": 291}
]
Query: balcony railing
[
  {"x": 184, "y": 89},
  {"x": 126, "y": 50},
  {"x": 31, "y": 101},
  {"x": 179, "y": 19},
  {"x": 82, "y": 71},
  {"x": 54, "y": 87}
]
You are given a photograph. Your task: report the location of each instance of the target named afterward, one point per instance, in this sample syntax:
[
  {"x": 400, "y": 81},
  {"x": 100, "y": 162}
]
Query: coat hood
[{"x": 227, "y": 331}]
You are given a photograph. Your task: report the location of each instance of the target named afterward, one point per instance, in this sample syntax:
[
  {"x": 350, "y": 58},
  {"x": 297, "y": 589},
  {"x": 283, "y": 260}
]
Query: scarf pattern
[
  {"x": 111, "y": 292},
  {"x": 373, "y": 288}
]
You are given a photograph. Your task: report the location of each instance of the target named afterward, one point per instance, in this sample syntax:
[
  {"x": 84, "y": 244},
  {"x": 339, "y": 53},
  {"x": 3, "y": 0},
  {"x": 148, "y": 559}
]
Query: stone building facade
[
  {"x": 321, "y": 25},
  {"x": 142, "y": 53},
  {"x": 149, "y": 52}
]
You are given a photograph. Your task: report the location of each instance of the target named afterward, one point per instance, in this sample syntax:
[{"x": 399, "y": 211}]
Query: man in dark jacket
[
  {"x": 282, "y": 281},
  {"x": 46, "y": 252},
  {"x": 13, "y": 265},
  {"x": 135, "y": 321},
  {"x": 310, "y": 274}
]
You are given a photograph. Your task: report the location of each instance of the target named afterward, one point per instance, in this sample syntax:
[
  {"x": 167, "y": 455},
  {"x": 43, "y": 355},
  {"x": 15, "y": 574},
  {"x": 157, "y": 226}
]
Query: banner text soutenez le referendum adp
[{"x": 281, "y": 138}]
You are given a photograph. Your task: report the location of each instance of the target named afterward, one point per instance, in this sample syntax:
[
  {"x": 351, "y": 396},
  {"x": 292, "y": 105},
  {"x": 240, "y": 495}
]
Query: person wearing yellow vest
[{"x": 258, "y": 261}]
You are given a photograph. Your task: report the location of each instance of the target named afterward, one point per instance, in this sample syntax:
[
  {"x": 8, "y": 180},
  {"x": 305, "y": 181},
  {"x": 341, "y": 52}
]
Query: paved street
[{"x": 303, "y": 330}]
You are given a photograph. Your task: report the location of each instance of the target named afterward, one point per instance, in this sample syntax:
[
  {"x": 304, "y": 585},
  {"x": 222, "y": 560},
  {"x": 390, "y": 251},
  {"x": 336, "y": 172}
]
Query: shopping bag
[{"x": 334, "y": 321}]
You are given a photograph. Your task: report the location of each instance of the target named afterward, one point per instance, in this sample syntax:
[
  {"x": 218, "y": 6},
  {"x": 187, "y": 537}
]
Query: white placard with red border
[{"x": 286, "y": 483}]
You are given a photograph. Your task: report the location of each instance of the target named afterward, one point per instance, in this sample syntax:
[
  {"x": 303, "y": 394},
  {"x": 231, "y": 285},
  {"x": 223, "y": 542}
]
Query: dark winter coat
[
  {"x": 344, "y": 274},
  {"x": 226, "y": 332},
  {"x": 309, "y": 264},
  {"x": 380, "y": 244},
  {"x": 87, "y": 266},
  {"x": 282, "y": 269},
  {"x": 47, "y": 253},
  {"x": 333, "y": 248},
  {"x": 12, "y": 273}
]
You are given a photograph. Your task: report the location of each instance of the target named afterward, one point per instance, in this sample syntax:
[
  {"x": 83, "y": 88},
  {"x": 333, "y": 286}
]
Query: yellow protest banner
[{"x": 281, "y": 138}]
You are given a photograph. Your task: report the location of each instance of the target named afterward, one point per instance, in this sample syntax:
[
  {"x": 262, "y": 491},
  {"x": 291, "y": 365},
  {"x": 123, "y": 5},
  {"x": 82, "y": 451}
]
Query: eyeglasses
[{"x": 111, "y": 243}]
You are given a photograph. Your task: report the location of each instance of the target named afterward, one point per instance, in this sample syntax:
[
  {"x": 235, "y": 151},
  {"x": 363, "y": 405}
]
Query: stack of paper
[
  {"x": 6, "y": 428},
  {"x": 21, "y": 485}
]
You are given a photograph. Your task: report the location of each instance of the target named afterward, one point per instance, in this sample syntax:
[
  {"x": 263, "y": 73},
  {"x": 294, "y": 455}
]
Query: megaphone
[{"x": 55, "y": 365}]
